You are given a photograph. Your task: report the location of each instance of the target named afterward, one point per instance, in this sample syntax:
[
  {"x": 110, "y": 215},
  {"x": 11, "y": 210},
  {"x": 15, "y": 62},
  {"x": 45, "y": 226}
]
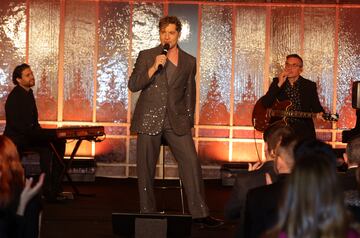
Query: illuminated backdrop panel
[
  {"x": 12, "y": 44},
  {"x": 113, "y": 62},
  {"x": 44, "y": 54},
  {"x": 215, "y": 65},
  {"x": 249, "y": 61},
  {"x": 349, "y": 64},
  {"x": 79, "y": 54}
]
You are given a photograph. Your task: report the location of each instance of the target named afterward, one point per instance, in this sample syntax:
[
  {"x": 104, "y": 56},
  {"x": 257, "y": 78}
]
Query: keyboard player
[{"x": 23, "y": 128}]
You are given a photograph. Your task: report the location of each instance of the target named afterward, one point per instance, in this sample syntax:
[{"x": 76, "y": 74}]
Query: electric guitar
[{"x": 279, "y": 113}]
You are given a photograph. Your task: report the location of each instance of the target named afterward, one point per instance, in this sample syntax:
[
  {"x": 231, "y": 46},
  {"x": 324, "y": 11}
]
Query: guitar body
[
  {"x": 262, "y": 118},
  {"x": 279, "y": 112}
]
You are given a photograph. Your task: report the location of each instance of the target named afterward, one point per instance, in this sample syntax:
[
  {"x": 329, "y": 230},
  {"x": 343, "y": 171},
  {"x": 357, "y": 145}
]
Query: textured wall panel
[
  {"x": 319, "y": 45},
  {"x": 225, "y": 133},
  {"x": 321, "y": 1},
  {"x": 211, "y": 173},
  {"x": 247, "y": 134},
  {"x": 245, "y": 151},
  {"x": 145, "y": 32},
  {"x": 113, "y": 58},
  {"x": 132, "y": 171},
  {"x": 188, "y": 15},
  {"x": 44, "y": 54},
  {"x": 12, "y": 44},
  {"x": 132, "y": 151},
  {"x": 285, "y": 36},
  {"x": 111, "y": 151},
  {"x": 249, "y": 61},
  {"x": 211, "y": 152},
  {"x": 80, "y": 26},
  {"x": 115, "y": 130},
  {"x": 84, "y": 149},
  {"x": 215, "y": 65},
  {"x": 169, "y": 157},
  {"x": 349, "y": 64},
  {"x": 103, "y": 170},
  {"x": 348, "y": 1}
]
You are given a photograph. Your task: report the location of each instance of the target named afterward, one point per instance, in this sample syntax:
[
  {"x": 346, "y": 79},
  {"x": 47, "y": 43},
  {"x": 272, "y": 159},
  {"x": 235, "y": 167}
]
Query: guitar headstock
[{"x": 331, "y": 117}]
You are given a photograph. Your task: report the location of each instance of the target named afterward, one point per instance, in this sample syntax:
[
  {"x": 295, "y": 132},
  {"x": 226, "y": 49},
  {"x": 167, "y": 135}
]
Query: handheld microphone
[{"x": 164, "y": 52}]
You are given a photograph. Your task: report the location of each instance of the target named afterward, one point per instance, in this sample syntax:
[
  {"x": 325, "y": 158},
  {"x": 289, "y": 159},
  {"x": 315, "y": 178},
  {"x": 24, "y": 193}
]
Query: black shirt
[
  {"x": 293, "y": 93},
  {"x": 21, "y": 116}
]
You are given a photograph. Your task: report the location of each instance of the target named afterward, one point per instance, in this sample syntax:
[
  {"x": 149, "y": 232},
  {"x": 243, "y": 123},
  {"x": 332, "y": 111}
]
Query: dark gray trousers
[{"x": 183, "y": 149}]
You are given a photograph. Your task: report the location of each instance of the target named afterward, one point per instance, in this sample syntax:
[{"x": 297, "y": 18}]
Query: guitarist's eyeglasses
[{"x": 287, "y": 65}]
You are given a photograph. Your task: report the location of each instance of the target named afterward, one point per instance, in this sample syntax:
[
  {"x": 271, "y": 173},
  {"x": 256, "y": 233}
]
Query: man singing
[{"x": 165, "y": 111}]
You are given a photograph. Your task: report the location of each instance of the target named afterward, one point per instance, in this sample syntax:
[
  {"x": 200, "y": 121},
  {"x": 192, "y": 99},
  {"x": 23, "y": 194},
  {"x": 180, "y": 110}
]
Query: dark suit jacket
[
  {"x": 243, "y": 182},
  {"x": 348, "y": 179},
  {"x": 158, "y": 98},
  {"x": 261, "y": 210},
  {"x": 235, "y": 207},
  {"x": 309, "y": 100}
]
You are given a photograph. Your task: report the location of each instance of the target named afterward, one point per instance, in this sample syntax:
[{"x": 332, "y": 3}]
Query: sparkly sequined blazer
[{"x": 158, "y": 97}]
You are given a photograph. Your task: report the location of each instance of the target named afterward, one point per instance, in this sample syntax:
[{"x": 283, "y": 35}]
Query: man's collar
[
  {"x": 296, "y": 81},
  {"x": 23, "y": 89}
]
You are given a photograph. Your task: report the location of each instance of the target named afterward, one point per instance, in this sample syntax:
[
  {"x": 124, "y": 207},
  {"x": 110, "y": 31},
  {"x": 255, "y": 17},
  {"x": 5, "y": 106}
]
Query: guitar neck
[{"x": 297, "y": 114}]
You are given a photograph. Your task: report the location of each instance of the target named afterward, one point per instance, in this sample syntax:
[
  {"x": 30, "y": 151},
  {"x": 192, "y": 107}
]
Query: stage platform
[{"x": 90, "y": 216}]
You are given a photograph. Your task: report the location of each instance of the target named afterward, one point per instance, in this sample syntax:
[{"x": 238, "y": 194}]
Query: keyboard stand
[{"x": 68, "y": 165}]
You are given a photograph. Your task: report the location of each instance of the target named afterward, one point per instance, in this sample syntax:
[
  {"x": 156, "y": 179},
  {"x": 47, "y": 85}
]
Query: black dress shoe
[{"x": 208, "y": 222}]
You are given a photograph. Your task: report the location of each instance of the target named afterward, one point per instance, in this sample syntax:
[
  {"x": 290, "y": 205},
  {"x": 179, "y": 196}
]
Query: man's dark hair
[
  {"x": 269, "y": 131},
  {"x": 18, "y": 72},
  {"x": 275, "y": 134},
  {"x": 297, "y": 57},
  {"x": 313, "y": 146},
  {"x": 353, "y": 150},
  {"x": 166, "y": 20}
]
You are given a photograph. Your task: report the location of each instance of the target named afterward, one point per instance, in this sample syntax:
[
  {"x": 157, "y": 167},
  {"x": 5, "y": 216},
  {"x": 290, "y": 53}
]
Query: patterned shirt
[{"x": 293, "y": 93}]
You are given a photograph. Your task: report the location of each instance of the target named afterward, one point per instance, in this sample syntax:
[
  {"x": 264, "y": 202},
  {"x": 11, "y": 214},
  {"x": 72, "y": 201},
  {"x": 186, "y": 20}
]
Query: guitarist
[{"x": 302, "y": 94}]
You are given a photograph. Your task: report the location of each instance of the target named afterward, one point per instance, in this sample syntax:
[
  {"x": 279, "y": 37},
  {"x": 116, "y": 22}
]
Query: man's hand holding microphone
[{"x": 160, "y": 61}]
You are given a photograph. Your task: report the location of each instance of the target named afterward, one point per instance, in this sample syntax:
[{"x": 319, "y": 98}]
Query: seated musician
[
  {"x": 23, "y": 128},
  {"x": 301, "y": 92}
]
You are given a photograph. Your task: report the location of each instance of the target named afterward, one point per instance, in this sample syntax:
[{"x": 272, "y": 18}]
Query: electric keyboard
[
  {"x": 79, "y": 133},
  {"x": 76, "y": 132}
]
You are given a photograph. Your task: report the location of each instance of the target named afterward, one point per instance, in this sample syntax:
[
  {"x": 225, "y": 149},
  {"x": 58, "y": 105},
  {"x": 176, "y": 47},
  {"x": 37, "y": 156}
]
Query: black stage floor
[{"x": 90, "y": 216}]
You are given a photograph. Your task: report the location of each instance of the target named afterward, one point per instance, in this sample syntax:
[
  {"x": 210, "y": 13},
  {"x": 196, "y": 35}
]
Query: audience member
[
  {"x": 234, "y": 208},
  {"x": 312, "y": 205},
  {"x": 255, "y": 177},
  {"x": 261, "y": 202},
  {"x": 352, "y": 158},
  {"x": 351, "y": 179},
  {"x": 19, "y": 206}
]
